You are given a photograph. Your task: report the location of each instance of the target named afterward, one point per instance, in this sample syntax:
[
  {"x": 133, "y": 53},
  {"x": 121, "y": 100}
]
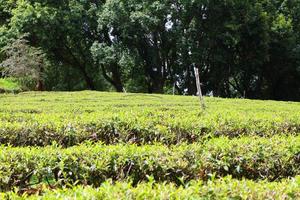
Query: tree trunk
[
  {"x": 89, "y": 81},
  {"x": 157, "y": 86},
  {"x": 190, "y": 82},
  {"x": 76, "y": 62},
  {"x": 115, "y": 79},
  {"x": 40, "y": 86},
  {"x": 156, "y": 81}
]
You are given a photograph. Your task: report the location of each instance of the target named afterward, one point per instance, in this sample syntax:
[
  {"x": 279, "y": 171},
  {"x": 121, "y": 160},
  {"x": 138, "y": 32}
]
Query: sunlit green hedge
[
  {"x": 39, "y": 119},
  {"x": 226, "y": 188},
  {"x": 252, "y": 158},
  {"x": 157, "y": 143}
]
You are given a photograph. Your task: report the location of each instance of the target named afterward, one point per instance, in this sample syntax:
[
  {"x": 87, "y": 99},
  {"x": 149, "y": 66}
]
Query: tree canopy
[{"x": 243, "y": 48}]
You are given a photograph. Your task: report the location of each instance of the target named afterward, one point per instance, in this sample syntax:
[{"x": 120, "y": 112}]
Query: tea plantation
[{"x": 94, "y": 145}]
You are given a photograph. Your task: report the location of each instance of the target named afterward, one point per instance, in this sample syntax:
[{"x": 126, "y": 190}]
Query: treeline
[{"x": 243, "y": 48}]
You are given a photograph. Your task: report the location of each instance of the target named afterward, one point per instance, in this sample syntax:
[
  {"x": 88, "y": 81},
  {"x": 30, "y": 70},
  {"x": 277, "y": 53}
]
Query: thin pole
[
  {"x": 174, "y": 87},
  {"x": 198, "y": 83}
]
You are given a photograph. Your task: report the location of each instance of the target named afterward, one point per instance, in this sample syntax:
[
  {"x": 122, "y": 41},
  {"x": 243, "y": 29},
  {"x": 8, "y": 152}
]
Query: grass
[{"x": 9, "y": 85}]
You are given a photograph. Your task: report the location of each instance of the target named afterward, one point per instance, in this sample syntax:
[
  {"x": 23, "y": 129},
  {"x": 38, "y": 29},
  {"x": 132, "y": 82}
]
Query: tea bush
[
  {"x": 94, "y": 145},
  {"x": 226, "y": 188},
  {"x": 39, "y": 119},
  {"x": 252, "y": 158}
]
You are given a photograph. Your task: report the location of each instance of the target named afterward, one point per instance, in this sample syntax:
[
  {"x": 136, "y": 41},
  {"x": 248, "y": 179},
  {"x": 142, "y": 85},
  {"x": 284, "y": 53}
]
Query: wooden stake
[
  {"x": 174, "y": 87},
  {"x": 198, "y": 83}
]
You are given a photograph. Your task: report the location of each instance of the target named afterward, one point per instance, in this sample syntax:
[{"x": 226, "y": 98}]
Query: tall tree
[{"x": 25, "y": 62}]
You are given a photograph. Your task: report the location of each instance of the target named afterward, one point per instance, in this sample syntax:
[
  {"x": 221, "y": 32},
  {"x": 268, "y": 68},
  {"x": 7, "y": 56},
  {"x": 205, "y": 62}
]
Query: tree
[
  {"x": 242, "y": 48},
  {"x": 142, "y": 26},
  {"x": 25, "y": 62}
]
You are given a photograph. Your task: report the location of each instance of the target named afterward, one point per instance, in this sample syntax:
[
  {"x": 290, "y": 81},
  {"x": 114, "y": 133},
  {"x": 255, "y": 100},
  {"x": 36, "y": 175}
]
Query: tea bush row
[
  {"x": 226, "y": 188},
  {"x": 39, "y": 119},
  {"x": 252, "y": 158},
  {"x": 149, "y": 131}
]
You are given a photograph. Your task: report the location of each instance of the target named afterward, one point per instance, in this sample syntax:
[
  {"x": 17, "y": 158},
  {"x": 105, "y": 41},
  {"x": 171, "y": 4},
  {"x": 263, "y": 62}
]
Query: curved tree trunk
[{"x": 115, "y": 79}]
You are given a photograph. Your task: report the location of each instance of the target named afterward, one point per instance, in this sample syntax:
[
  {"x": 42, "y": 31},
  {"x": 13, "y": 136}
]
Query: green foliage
[
  {"x": 25, "y": 63},
  {"x": 9, "y": 85},
  {"x": 83, "y": 139},
  {"x": 226, "y": 188},
  {"x": 251, "y": 158},
  {"x": 70, "y": 118},
  {"x": 242, "y": 48},
  {"x": 90, "y": 145}
]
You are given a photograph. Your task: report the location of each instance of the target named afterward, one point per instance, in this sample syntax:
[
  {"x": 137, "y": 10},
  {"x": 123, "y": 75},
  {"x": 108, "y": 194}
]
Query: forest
[{"x": 242, "y": 48}]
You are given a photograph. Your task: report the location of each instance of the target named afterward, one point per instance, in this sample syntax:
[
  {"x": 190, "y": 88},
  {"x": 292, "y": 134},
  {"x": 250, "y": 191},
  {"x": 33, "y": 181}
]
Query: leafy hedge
[
  {"x": 250, "y": 157},
  {"x": 113, "y": 131},
  {"x": 39, "y": 119},
  {"x": 226, "y": 188}
]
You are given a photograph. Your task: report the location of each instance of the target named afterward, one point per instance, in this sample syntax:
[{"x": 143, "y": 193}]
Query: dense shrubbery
[
  {"x": 226, "y": 188},
  {"x": 69, "y": 119},
  {"x": 58, "y": 140},
  {"x": 252, "y": 158}
]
